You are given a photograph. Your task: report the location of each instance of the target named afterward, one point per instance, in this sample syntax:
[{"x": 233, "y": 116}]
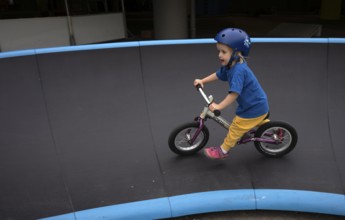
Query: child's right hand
[{"x": 198, "y": 82}]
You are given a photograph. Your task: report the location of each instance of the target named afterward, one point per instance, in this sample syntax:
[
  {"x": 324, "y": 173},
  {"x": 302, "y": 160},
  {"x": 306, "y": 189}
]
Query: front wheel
[
  {"x": 276, "y": 139},
  {"x": 180, "y": 139}
]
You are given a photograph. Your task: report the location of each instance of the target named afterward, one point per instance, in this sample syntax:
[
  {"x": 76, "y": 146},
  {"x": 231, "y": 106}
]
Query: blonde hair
[{"x": 241, "y": 59}]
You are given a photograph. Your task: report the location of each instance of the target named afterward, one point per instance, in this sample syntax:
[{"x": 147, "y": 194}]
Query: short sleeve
[
  {"x": 222, "y": 74},
  {"x": 237, "y": 82}
]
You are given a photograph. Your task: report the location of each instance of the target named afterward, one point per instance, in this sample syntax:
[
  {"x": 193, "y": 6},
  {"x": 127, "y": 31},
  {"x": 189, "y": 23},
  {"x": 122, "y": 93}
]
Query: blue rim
[
  {"x": 159, "y": 43},
  {"x": 217, "y": 201}
]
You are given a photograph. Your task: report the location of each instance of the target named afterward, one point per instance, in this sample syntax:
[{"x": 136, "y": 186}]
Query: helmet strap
[{"x": 234, "y": 57}]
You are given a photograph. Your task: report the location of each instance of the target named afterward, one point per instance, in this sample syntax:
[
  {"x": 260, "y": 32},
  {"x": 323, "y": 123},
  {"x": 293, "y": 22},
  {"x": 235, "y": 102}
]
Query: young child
[{"x": 233, "y": 45}]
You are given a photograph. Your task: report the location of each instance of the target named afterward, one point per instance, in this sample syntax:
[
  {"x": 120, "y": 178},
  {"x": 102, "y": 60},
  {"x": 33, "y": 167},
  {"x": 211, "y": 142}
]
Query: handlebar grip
[{"x": 216, "y": 112}]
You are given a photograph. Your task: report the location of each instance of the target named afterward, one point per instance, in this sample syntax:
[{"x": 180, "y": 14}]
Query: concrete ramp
[{"x": 84, "y": 130}]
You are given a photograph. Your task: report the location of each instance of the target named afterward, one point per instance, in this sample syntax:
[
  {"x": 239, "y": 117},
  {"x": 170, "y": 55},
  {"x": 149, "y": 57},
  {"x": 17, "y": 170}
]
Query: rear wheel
[
  {"x": 180, "y": 137},
  {"x": 280, "y": 138}
]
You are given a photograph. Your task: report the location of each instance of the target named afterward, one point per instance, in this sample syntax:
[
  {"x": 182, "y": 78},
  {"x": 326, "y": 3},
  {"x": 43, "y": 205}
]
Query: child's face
[{"x": 224, "y": 53}]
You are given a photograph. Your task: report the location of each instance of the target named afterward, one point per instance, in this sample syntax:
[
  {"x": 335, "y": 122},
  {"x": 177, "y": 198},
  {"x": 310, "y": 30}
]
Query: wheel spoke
[
  {"x": 283, "y": 140},
  {"x": 182, "y": 142}
]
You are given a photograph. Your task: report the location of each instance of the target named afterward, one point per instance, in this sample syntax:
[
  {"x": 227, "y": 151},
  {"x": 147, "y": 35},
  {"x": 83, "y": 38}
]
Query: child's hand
[
  {"x": 213, "y": 106},
  {"x": 198, "y": 82}
]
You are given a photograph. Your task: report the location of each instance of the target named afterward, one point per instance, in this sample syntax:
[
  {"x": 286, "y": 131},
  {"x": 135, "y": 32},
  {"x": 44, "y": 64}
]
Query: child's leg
[
  {"x": 263, "y": 122},
  {"x": 266, "y": 119},
  {"x": 238, "y": 128}
]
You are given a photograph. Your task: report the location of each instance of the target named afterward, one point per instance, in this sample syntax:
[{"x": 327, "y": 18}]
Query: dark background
[{"x": 258, "y": 18}]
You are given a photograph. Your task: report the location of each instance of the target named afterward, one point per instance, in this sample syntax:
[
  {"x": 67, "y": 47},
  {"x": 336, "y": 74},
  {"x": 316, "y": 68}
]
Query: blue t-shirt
[{"x": 252, "y": 100}]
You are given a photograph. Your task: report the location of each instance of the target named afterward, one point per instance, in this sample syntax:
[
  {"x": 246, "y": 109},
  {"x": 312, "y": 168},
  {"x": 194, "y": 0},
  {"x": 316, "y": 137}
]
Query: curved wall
[{"x": 86, "y": 127}]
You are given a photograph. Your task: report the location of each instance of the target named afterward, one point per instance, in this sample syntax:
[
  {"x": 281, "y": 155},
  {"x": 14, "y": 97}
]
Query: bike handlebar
[{"x": 199, "y": 88}]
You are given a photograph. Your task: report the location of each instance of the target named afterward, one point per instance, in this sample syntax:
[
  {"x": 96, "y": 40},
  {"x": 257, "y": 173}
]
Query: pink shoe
[{"x": 215, "y": 153}]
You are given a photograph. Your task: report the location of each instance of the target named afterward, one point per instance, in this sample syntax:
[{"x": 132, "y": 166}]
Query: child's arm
[
  {"x": 210, "y": 78},
  {"x": 228, "y": 100}
]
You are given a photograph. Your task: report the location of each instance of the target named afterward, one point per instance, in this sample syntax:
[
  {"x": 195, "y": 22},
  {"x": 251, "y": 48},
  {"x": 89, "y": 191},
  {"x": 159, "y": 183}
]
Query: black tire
[
  {"x": 284, "y": 134},
  {"x": 178, "y": 139}
]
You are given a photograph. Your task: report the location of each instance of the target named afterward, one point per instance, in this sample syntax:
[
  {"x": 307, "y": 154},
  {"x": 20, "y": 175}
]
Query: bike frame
[{"x": 207, "y": 113}]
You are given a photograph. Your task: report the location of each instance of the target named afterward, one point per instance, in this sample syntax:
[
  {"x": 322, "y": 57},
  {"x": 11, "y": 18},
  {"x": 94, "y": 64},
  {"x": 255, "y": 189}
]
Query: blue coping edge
[
  {"x": 159, "y": 43},
  {"x": 217, "y": 201}
]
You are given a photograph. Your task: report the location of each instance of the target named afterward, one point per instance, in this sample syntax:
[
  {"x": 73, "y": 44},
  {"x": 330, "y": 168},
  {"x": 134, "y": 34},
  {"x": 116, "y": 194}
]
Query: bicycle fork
[
  {"x": 206, "y": 113},
  {"x": 197, "y": 132}
]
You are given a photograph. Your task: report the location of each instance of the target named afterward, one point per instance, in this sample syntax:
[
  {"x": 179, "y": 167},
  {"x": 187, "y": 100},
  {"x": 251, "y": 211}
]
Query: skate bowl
[{"x": 84, "y": 131}]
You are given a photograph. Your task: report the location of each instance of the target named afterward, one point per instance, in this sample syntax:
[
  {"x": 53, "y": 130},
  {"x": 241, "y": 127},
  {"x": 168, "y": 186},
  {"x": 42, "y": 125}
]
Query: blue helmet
[{"x": 235, "y": 38}]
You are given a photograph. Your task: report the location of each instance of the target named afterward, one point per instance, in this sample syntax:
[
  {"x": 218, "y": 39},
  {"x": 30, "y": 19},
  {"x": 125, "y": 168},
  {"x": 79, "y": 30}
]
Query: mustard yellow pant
[{"x": 239, "y": 127}]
